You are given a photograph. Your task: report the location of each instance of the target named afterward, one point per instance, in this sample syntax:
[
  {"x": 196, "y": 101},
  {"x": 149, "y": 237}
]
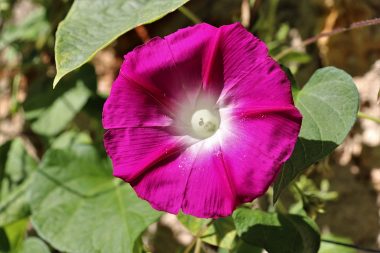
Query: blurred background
[{"x": 35, "y": 115}]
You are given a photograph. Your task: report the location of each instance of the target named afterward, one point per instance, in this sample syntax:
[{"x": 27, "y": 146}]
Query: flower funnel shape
[{"x": 201, "y": 120}]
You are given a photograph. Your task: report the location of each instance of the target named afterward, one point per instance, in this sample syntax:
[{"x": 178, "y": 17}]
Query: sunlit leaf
[
  {"x": 15, "y": 206},
  {"x": 33, "y": 245},
  {"x": 69, "y": 139},
  {"x": 220, "y": 233},
  {"x": 296, "y": 57},
  {"x": 93, "y": 24},
  {"x": 15, "y": 233},
  {"x": 77, "y": 205},
  {"x": 328, "y": 247}
]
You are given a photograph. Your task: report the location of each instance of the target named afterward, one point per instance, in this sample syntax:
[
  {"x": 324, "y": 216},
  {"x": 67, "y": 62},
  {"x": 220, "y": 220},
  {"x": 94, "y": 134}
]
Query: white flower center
[{"x": 204, "y": 123}]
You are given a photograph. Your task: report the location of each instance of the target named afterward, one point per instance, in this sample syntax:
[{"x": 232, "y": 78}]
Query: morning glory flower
[{"x": 201, "y": 120}]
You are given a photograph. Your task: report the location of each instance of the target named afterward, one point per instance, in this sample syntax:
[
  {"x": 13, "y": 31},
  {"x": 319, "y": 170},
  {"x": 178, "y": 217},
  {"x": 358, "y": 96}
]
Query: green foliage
[
  {"x": 311, "y": 199},
  {"x": 69, "y": 139},
  {"x": 243, "y": 247},
  {"x": 18, "y": 166},
  {"x": 329, "y": 104},
  {"x": 70, "y": 202},
  {"x": 4, "y": 243},
  {"x": 15, "y": 205},
  {"x": 14, "y": 234},
  {"x": 33, "y": 245},
  {"x": 277, "y": 233},
  {"x": 295, "y": 56},
  {"x": 92, "y": 25},
  {"x": 295, "y": 88},
  {"x": 328, "y": 247},
  {"x": 221, "y": 233},
  {"x": 15, "y": 166},
  {"x": 55, "y": 118},
  {"x": 78, "y": 206},
  {"x": 3, "y": 159},
  {"x": 265, "y": 25},
  {"x": 33, "y": 28}
]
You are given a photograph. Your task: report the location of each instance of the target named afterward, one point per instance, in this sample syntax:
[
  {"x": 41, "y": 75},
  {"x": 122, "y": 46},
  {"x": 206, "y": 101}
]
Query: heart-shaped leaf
[
  {"x": 78, "y": 206},
  {"x": 329, "y": 104}
]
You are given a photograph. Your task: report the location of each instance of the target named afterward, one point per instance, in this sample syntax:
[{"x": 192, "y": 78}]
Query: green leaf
[
  {"x": 15, "y": 233},
  {"x": 15, "y": 206},
  {"x": 69, "y": 139},
  {"x": 4, "y": 149},
  {"x": 91, "y": 25},
  {"x": 34, "y": 27},
  {"x": 40, "y": 95},
  {"x": 295, "y": 56},
  {"x": 4, "y": 243},
  {"x": 33, "y": 245},
  {"x": 55, "y": 118},
  {"x": 243, "y": 247},
  {"x": 328, "y": 247},
  {"x": 289, "y": 74},
  {"x": 19, "y": 166},
  {"x": 78, "y": 206},
  {"x": 221, "y": 233},
  {"x": 329, "y": 104},
  {"x": 19, "y": 163},
  {"x": 277, "y": 233}
]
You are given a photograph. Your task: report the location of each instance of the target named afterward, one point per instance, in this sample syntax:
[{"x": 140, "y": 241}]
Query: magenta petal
[
  {"x": 151, "y": 65},
  {"x": 251, "y": 76},
  {"x": 198, "y": 60},
  {"x": 135, "y": 150},
  {"x": 255, "y": 145},
  {"x": 180, "y": 183},
  {"x": 164, "y": 186},
  {"x": 167, "y": 86},
  {"x": 210, "y": 193},
  {"x": 174, "y": 64},
  {"x": 129, "y": 106}
]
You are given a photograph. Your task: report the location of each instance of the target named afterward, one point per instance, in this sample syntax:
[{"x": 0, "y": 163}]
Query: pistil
[{"x": 204, "y": 123}]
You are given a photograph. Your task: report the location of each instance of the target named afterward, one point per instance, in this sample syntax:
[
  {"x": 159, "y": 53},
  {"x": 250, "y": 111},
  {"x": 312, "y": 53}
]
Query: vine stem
[
  {"x": 198, "y": 245},
  {"x": 355, "y": 25},
  {"x": 190, "y": 15},
  {"x": 366, "y": 116},
  {"x": 197, "y": 239},
  {"x": 245, "y": 13},
  {"x": 351, "y": 246}
]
